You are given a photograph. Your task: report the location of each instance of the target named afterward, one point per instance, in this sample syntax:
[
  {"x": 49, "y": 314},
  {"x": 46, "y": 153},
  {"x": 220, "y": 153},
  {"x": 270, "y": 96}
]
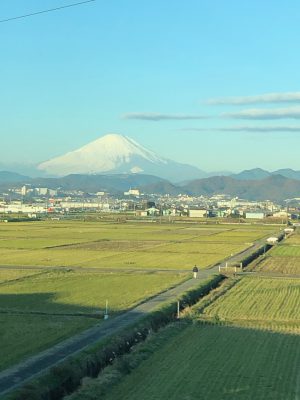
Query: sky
[{"x": 211, "y": 83}]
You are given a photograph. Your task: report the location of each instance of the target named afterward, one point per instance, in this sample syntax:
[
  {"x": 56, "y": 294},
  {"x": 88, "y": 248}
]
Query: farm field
[
  {"x": 39, "y": 310},
  {"x": 13, "y": 274},
  {"x": 24, "y": 335},
  {"x": 214, "y": 362},
  {"x": 282, "y": 265},
  {"x": 82, "y": 292},
  {"x": 65, "y": 302},
  {"x": 244, "y": 345},
  {"x": 283, "y": 258},
  {"x": 267, "y": 303},
  {"x": 286, "y": 250},
  {"x": 126, "y": 245}
]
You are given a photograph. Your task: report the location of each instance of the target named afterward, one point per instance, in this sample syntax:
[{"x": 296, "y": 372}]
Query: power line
[{"x": 46, "y": 11}]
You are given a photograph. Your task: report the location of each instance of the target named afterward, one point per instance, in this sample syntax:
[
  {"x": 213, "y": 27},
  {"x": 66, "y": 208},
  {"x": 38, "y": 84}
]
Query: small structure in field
[
  {"x": 272, "y": 240},
  {"x": 288, "y": 230}
]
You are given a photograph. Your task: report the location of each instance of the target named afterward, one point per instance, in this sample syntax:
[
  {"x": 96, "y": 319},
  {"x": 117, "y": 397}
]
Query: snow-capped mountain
[{"x": 118, "y": 154}]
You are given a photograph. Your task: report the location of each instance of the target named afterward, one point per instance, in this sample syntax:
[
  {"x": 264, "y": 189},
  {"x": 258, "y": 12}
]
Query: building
[
  {"x": 153, "y": 211},
  {"x": 132, "y": 192},
  {"x": 255, "y": 215},
  {"x": 141, "y": 213},
  {"x": 198, "y": 213},
  {"x": 281, "y": 214}
]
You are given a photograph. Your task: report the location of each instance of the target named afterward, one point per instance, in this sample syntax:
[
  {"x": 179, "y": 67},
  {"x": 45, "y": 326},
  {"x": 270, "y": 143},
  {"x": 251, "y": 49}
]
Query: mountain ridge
[
  {"x": 274, "y": 187},
  {"x": 259, "y": 173}
]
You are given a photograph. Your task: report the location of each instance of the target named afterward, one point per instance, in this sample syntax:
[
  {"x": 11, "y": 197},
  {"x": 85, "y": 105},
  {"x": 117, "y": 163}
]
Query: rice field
[
  {"x": 286, "y": 250},
  {"x": 123, "y": 245},
  {"x": 281, "y": 265},
  {"x": 23, "y": 335},
  {"x": 284, "y": 258},
  {"x": 63, "y": 303},
  {"x": 244, "y": 345},
  {"x": 82, "y": 292},
  {"x": 14, "y": 274},
  {"x": 39, "y": 310},
  {"x": 213, "y": 362},
  {"x": 267, "y": 303}
]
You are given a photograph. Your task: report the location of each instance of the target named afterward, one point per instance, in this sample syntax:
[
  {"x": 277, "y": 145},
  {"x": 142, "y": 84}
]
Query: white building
[
  {"x": 197, "y": 213},
  {"x": 255, "y": 215},
  {"x": 132, "y": 192}
]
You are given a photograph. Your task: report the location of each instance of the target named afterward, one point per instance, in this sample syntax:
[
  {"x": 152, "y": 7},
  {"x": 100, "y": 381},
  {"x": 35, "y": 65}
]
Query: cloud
[
  {"x": 265, "y": 114},
  {"x": 161, "y": 117},
  {"x": 247, "y": 129},
  {"x": 289, "y": 97}
]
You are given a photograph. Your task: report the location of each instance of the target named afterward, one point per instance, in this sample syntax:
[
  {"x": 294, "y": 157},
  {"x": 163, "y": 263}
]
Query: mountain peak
[{"x": 115, "y": 154}]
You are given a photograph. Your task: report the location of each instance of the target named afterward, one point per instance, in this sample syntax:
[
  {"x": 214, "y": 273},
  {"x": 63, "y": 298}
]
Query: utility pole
[{"x": 106, "y": 310}]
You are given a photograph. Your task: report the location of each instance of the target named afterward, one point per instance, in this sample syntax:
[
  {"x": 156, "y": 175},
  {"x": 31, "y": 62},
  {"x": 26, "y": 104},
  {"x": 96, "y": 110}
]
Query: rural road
[{"x": 17, "y": 375}]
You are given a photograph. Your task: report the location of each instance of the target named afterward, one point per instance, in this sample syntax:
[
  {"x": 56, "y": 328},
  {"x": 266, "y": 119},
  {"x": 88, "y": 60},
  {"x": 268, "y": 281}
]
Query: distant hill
[
  {"x": 163, "y": 187},
  {"x": 274, "y": 187},
  {"x": 95, "y": 183},
  {"x": 288, "y": 173},
  {"x": 251, "y": 174},
  {"x": 258, "y": 173},
  {"x": 12, "y": 177}
]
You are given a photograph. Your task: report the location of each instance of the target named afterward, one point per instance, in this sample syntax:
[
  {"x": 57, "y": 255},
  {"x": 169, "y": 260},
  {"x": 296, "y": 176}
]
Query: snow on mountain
[{"x": 117, "y": 154}]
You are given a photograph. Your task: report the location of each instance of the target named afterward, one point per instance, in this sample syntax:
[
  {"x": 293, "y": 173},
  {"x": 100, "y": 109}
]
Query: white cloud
[
  {"x": 288, "y": 97},
  {"x": 148, "y": 116},
  {"x": 247, "y": 129},
  {"x": 265, "y": 114}
]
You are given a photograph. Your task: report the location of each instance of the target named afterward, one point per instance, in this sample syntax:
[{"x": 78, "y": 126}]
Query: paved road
[{"x": 14, "y": 377}]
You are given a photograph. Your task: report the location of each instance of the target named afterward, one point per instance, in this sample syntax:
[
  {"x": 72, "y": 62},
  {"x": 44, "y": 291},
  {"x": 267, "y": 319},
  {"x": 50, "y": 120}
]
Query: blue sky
[{"x": 190, "y": 80}]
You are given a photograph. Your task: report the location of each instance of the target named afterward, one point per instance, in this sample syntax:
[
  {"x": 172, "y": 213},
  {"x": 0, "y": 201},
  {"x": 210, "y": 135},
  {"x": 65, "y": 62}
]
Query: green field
[
  {"x": 244, "y": 345},
  {"x": 216, "y": 363},
  {"x": 82, "y": 292},
  {"x": 212, "y": 362},
  {"x": 287, "y": 250},
  {"x": 123, "y": 245},
  {"x": 284, "y": 258},
  {"x": 67, "y": 301},
  {"x": 23, "y": 335},
  {"x": 13, "y": 274},
  {"x": 47, "y": 297}
]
